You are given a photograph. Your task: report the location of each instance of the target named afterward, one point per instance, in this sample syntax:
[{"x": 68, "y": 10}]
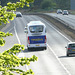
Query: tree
[
  {"x": 4, "y": 2},
  {"x": 8, "y": 59},
  {"x": 47, "y": 4},
  {"x": 37, "y": 3},
  {"x": 63, "y": 4}
]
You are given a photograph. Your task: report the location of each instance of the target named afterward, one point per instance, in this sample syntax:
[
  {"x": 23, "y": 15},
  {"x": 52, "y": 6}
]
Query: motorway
[
  {"x": 52, "y": 61},
  {"x": 69, "y": 20}
]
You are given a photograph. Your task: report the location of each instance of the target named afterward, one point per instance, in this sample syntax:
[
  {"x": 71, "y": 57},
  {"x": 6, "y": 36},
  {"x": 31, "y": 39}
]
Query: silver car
[
  {"x": 59, "y": 11},
  {"x": 18, "y": 14},
  {"x": 70, "y": 48},
  {"x": 65, "y": 12}
]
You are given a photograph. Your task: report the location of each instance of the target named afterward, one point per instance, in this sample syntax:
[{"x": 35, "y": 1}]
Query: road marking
[
  {"x": 10, "y": 29},
  {"x": 61, "y": 34},
  {"x": 17, "y": 35},
  {"x": 27, "y": 68},
  {"x": 47, "y": 45},
  {"x": 53, "y": 51},
  {"x": 56, "y": 30},
  {"x": 59, "y": 60}
]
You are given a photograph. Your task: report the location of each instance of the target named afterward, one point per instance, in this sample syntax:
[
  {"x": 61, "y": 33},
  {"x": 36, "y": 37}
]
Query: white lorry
[{"x": 36, "y": 35}]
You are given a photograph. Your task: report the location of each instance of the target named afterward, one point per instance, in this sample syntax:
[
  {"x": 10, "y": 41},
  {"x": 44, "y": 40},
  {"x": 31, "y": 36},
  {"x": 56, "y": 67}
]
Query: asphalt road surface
[
  {"x": 52, "y": 61},
  {"x": 69, "y": 20}
]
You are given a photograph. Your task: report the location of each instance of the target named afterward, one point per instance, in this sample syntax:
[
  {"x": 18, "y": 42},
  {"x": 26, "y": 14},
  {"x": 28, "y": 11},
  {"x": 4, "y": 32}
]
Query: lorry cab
[{"x": 36, "y": 35}]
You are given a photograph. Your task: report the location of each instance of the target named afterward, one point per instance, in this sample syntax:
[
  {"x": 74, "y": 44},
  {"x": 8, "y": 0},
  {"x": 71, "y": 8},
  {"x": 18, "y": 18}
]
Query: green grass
[{"x": 72, "y": 12}]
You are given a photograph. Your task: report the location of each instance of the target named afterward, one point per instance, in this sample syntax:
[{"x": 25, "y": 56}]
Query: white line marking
[
  {"x": 61, "y": 34},
  {"x": 53, "y": 51},
  {"x": 59, "y": 60},
  {"x": 10, "y": 29},
  {"x": 19, "y": 43},
  {"x": 17, "y": 35},
  {"x": 56, "y": 30}
]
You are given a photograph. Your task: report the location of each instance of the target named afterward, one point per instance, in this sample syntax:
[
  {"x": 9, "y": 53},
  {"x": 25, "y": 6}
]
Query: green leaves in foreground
[
  {"x": 9, "y": 60},
  {"x": 7, "y": 12},
  {"x": 2, "y": 34}
]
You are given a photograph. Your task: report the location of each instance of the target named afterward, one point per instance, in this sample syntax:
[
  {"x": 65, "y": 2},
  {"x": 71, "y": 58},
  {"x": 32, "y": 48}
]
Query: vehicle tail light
[
  {"x": 45, "y": 39},
  {"x": 69, "y": 48},
  {"x": 28, "y": 41}
]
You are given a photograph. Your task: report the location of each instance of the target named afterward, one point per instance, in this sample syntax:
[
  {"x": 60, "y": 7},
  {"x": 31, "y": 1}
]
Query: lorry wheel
[
  {"x": 67, "y": 54},
  {"x": 45, "y": 48},
  {"x": 28, "y": 49}
]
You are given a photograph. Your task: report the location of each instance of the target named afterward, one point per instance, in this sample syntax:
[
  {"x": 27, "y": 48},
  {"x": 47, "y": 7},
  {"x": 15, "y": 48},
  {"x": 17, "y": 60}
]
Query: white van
[{"x": 36, "y": 34}]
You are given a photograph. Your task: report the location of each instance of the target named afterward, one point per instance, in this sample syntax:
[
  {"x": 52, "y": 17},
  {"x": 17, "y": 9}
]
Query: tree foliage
[
  {"x": 47, "y": 4},
  {"x": 53, "y": 4},
  {"x": 8, "y": 59},
  {"x": 63, "y": 4},
  {"x": 2, "y": 34}
]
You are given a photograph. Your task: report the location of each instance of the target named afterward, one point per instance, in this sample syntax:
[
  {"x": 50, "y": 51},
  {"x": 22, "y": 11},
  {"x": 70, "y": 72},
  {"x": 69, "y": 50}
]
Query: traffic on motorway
[
  {"x": 50, "y": 61},
  {"x": 44, "y": 32},
  {"x": 56, "y": 55},
  {"x": 63, "y": 12},
  {"x": 68, "y": 20}
]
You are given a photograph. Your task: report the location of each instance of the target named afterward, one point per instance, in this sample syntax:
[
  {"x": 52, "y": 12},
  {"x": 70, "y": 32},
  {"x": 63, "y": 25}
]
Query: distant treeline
[{"x": 44, "y": 4}]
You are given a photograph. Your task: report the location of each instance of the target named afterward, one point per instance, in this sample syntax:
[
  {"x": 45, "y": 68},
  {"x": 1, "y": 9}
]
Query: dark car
[
  {"x": 70, "y": 48},
  {"x": 18, "y": 14}
]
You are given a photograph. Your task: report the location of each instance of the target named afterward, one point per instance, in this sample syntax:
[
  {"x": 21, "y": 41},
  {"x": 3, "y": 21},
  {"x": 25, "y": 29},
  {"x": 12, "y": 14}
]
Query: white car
[
  {"x": 18, "y": 14},
  {"x": 65, "y": 12},
  {"x": 59, "y": 11}
]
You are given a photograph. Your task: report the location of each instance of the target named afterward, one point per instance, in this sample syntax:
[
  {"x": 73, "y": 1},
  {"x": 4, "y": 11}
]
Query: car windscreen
[
  {"x": 72, "y": 45},
  {"x": 59, "y": 11},
  {"x": 18, "y": 14},
  {"x": 65, "y": 11},
  {"x": 36, "y": 29}
]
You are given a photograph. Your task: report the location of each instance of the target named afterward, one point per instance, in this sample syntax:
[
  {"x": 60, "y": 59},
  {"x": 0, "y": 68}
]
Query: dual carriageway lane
[{"x": 51, "y": 61}]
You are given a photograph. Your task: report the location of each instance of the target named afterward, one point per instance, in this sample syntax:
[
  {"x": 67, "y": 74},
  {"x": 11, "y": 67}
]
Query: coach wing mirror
[
  {"x": 25, "y": 30},
  {"x": 65, "y": 46}
]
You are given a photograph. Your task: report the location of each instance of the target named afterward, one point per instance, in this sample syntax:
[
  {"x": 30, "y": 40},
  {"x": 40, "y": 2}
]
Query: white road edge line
[
  {"x": 61, "y": 34},
  {"x": 59, "y": 60},
  {"x": 17, "y": 35},
  {"x": 55, "y": 29},
  {"x": 48, "y": 46},
  {"x": 19, "y": 43},
  {"x": 10, "y": 29},
  {"x": 53, "y": 51}
]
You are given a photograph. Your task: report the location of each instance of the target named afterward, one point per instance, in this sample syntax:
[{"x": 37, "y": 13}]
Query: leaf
[
  {"x": 30, "y": 0},
  {"x": 8, "y": 59}
]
